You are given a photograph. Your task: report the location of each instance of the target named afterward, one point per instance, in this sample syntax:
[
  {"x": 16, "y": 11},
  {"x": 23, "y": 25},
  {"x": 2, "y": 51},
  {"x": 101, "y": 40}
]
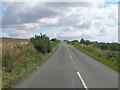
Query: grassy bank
[
  {"x": 19, "y": 60},
  {"x": 109, "y": 58}
]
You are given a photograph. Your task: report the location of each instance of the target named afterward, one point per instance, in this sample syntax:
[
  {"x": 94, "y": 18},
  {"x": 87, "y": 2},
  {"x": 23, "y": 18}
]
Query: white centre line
[
  {"x": 79, "y": 75},
  {"x": 82, "y": 80},
  {"x": 67, "y": 50},
  {"x": 70, "y": 57}
]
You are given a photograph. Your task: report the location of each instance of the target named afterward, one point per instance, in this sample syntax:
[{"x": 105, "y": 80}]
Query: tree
[
  {"x": 82, "y": 41},
  {"x": 75, "y": 41},
  {"x": 87, "y": 42},
  {"x": 41, "y": 43},
  {"x": 54, "y": 40}
]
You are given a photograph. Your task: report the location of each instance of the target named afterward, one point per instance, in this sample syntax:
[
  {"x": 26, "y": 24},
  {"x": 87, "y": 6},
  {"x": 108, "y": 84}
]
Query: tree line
[{"x": 102, "y": 45}]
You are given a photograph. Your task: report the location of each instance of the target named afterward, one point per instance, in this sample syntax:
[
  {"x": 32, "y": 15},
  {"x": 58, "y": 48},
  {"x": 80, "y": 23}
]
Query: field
[
  {"x": 12, "y": 41},
  {"x": 19, "y": 58},
  {"x": 6, "y": 43}
]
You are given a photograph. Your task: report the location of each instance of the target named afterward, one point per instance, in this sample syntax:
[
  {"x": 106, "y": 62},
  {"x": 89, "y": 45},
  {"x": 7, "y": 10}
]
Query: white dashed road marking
[
  {"x": 82, "y": 80},
  {"x": 79, "y": 75}
]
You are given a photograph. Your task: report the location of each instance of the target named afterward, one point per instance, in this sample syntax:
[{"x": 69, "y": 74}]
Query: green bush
[
  {"x": 87, "y": 42},
  {"x": 42, "y": 43},
  {"x": 54, "y": 40}
]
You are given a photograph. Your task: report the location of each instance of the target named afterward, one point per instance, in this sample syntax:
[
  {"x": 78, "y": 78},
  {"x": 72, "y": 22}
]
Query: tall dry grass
[
  {"x": 110, "y": 58},
  {"x": 18, "y": 59},
  {"x": 94, "y": 49},
  {"x": 12, "y": 51},
  {"x": 16, "y": 53}
]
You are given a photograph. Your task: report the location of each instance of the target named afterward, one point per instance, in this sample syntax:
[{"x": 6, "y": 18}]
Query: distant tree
[
  {"x": 54, "y": 40},
  {"x": 75, "y": 41},
  {"x": 87, "y": 42},
  {"x": 82, "y": 41}
]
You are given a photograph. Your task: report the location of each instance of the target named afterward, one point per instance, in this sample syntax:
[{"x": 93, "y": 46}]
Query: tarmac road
[{"x": 70, "y": 68}]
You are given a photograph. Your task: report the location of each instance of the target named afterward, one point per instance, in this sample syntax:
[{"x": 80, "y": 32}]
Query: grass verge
[
  {"x": 114, "y": 64},
  {"x": 27, "y": 59}
]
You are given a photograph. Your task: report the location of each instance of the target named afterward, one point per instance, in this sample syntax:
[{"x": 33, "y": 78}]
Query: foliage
[
  {"x": 109, "y": 46},
  {"x": 41, "y": 43},
  {"x": 75, "y": 41},
  {"x": 82, "y": 41},
  {"x": 105, "y": 52},
  {"x": 18, "y": 61},
  {"x": 107, "y": 57},
  {"x": 20, "y": 58},
  {"x": 7, "y": 62},
  {"x": 54, "y": 40},
  {"x": 11, "y": 55},
  {"x": 102, "y": 45},
  {"x": 87, "y": 42}
]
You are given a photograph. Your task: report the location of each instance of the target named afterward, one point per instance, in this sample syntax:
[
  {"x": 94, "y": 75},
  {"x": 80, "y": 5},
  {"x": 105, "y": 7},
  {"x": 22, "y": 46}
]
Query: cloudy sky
[{"x": 62, "y": 20}]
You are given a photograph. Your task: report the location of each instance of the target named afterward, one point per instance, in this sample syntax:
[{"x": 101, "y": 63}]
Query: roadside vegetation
[
  {"x": 20, "y": 58},
  {"x": 107, "y": 53}
]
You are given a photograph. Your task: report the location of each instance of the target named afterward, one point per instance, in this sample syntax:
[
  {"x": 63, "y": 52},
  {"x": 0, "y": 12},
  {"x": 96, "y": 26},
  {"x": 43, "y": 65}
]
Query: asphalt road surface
[{"x": 70, "y": 68}]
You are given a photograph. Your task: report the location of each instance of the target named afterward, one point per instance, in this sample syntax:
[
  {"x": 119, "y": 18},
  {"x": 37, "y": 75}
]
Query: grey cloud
[
  {"x": 84, "y": 25},
  {"x": 69, "y": 4},
  {"x": 74, "y": 22},
  {"x": 68, "y": 21},
  {"x": 37, "y": 13},
  {"x": 17, "y": 14},
  {"x": 20, "y": 13}
]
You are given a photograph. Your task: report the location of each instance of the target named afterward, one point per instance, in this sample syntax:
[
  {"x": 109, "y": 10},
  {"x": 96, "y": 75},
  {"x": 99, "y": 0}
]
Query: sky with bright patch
[{"x": 96, "y": 21}]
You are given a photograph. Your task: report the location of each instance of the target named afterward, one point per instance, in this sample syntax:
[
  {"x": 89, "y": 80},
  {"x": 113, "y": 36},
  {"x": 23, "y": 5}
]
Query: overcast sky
[{"x": 62, "y": 20}]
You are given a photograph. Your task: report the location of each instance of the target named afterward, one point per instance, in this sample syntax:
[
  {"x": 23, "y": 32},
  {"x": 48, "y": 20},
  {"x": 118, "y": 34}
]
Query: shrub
[
  {"x": 41, "y": 43},
  {"x": 87, "y": 42},
  {"x": 54, "y": 40}
]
